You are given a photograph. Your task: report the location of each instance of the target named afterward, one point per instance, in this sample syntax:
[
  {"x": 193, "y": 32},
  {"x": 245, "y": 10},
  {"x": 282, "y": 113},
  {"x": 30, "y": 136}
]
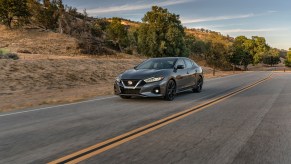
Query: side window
[
  {"x": 180, "y": 62},
  {"x": 189, "y": 64}
]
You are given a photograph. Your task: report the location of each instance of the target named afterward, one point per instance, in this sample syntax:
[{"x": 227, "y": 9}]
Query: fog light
[{"x": 157, "y": 91}]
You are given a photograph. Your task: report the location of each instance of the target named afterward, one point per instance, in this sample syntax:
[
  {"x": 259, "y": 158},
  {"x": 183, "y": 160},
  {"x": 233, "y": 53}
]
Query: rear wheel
[
  {"x": 125, "y": 97},
  {"x": 199, "y": 86},
  {"x": 170, "y": 91}
]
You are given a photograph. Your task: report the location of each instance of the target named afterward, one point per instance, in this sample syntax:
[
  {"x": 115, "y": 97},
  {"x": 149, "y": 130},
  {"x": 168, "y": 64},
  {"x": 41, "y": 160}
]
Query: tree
[
  {"x": 242, "y": 50},
  {"x": 161, "y": 34},
  {"x": 117, "y": 32},
  {"x": 217, "y": 55},
  {"x": 48, "y": 14},
  {"x": 271, "y": 60},
  {"x": 11, "y": 10},
  {"x": 259, "y": 48},
  {"x": 132, "y": 39},
  {"x": 288, "y": 58},
  {"x": 61, "y": 12}
]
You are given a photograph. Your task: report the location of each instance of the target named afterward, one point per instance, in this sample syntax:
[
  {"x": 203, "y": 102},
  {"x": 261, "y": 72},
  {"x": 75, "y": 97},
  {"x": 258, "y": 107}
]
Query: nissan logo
[{"x": 129, "y": 82}]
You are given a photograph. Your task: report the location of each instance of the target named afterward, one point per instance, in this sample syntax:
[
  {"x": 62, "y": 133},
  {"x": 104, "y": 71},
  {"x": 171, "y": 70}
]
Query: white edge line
[{"x": 33, "y": 110}]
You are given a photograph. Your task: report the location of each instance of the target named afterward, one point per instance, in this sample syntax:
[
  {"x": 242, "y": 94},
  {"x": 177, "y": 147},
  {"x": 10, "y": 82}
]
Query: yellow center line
[{"x": 116, "y": 141}]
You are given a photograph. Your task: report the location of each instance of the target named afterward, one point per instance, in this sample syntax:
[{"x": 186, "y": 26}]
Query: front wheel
[
  {"x": 199, "y": 86},
  {"x": 125, "y": 97},
  {"x": 170, "y": 91}
]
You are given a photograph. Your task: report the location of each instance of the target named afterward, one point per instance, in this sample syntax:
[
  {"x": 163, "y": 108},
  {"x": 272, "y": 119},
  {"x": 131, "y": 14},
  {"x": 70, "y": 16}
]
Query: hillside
[{"x": 37, "y": 41}]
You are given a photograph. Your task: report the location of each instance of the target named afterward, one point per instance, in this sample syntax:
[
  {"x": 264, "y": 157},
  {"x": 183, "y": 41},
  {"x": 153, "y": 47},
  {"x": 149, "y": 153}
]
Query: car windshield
[{"x": 158, "y": 64}]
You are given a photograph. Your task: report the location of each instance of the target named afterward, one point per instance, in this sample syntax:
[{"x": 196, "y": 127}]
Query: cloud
[
  {"x": 272, "y": 11},
  {"x": 226, "y": 17},
  {"x": 215, "y": 26},
  {"x": 250, "y": 30},
  {"x": 218, "y": 18},
  {"x": 132, "y": 7}
]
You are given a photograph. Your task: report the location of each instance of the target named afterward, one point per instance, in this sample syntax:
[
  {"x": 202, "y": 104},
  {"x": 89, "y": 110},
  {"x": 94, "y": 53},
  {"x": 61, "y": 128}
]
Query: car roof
[{"x": 170, "y": 58}]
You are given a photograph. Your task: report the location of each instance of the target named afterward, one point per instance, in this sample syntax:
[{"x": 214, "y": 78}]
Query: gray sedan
[{"x": 160, "y": 77}]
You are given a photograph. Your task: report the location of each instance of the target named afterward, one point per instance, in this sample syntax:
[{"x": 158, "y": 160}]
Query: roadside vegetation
[
  {"x": 288, "y": 58},
  {"x": 4, "y": 54}
]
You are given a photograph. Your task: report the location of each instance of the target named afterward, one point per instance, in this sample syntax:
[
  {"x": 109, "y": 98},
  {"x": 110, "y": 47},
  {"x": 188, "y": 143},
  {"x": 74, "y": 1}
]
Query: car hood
[{"x": 143, "y": 73}]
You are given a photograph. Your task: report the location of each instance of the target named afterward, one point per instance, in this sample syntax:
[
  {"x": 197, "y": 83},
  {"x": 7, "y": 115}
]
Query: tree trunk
[
  {"x": 245, "y": 67},
  {"x": 214, "y": 71},
  {"x": 9, "y": 22},
  {"x": 60, "y": 24}
]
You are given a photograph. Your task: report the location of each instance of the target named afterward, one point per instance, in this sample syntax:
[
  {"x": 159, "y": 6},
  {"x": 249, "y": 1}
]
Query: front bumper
[{"x": 143, "y": 90}]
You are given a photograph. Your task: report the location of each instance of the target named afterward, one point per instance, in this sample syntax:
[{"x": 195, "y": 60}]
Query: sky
[{"x": 267, "y": 18}]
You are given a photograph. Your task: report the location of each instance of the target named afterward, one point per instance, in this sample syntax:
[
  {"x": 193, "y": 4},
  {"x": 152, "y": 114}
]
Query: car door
[
  {"x": 181, "y": 75},
  {"x": 190, "y": 80}
]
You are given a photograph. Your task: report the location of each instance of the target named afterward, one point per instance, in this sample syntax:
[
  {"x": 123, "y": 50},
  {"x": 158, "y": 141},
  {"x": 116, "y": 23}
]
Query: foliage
[
  {"x": 4, "y": 54},
  {"x": 11, "y": 10},
  {"x": 217, "y": 55},
  {"x": 259, "y": 48},
  {"x": 133, "y": 40},
  {"x": 271, "y": 60},
  {"x": 246, "y": 51},
  {"x": 242, "y": 52},
  {"x": 117, "y": 32},
  {"x": 48, "y": 15},
  {"x": 288, "y": 58},
  {"x": 161, "y": 34},
  {"x": 102, "y": 23},
  {"x": 196, "y": 46}
]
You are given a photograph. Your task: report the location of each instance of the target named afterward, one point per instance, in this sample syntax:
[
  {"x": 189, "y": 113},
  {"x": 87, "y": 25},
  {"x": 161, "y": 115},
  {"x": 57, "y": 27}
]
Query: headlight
[
  {"x": 153, "y": 79},
  {"x": 118, "y": 79}
]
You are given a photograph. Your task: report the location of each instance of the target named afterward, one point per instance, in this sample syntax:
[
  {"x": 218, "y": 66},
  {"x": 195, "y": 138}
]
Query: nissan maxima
[{"x": 160, "y": 77}]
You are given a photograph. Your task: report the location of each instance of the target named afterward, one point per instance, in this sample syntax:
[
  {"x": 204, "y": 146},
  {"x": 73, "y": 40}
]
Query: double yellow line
[{"x": 116, "y": 141}]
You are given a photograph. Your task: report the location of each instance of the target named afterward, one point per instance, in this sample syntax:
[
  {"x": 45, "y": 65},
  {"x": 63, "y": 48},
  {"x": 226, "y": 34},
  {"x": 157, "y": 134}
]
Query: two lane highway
[{"x": 225, "y": 132}]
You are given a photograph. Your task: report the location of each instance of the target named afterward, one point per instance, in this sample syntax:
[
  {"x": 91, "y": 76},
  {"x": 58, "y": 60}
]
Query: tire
[
  {"x": 199, "y": 86},
  {"x": 170, "y": 91},
  {"x": 125, "y": 97}
]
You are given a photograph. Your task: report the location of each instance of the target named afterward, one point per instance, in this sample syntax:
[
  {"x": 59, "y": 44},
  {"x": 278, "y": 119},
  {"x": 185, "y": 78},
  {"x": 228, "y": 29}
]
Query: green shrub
[
  {"x": 4, "y": 54},
  {"x": 287, "y": 63},
  {"x": 288, "y": 59}
]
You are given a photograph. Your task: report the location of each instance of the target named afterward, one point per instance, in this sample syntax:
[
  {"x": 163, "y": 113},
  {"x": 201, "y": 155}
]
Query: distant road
[{"x": 250, "y": 126}]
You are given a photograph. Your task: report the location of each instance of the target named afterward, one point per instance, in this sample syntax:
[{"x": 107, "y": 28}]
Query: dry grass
[
  {"x": 26, "y": 83},
  {"x": 37, "y": 42},
  {"x": 34, "y": 82}
]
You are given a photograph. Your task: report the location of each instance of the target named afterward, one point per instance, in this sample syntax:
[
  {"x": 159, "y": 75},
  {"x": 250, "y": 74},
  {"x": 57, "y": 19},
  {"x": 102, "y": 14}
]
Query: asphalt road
[{"x": 253, "y": 126}]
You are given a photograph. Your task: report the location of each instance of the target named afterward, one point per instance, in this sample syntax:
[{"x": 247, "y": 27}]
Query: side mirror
[{"x": 180, "y": 66}]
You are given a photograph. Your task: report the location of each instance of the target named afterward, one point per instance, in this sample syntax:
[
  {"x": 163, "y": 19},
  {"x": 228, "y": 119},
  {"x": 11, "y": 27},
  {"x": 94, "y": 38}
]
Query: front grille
[
  {"x": 131, "y": 91},
  {"x": 130, "y": 83}
]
